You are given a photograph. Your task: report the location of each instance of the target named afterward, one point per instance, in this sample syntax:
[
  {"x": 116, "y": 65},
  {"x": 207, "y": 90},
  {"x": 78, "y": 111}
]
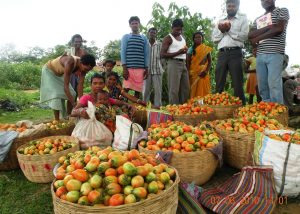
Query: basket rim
[
  {"x": 45, "y": 155},
  {"x": 165, "y": 192}
]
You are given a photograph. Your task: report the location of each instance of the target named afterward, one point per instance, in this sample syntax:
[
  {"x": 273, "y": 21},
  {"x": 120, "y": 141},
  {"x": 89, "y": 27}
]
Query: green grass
[
  {"x": 18, "y": 195},
  {"x": 34, "y": 114}
]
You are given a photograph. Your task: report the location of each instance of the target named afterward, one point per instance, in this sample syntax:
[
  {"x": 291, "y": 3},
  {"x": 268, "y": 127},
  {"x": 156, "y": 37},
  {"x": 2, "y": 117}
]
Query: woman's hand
[{"x": 202, "y": 74}]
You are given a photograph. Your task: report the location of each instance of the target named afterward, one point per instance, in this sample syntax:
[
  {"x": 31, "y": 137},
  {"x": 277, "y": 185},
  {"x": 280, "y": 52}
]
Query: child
[{"x": 252, "y": 88}]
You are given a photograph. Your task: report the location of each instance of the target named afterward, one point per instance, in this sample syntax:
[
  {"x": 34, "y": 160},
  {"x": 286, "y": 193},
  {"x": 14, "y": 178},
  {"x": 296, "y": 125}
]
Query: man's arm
[
  {"x": 124, "y": 42},
  {"x": 68, "y": 65},
  {"x": 242, "y": 34},
  {"x": 217, "y": 34},
  {"x": 167, "y": 41}
]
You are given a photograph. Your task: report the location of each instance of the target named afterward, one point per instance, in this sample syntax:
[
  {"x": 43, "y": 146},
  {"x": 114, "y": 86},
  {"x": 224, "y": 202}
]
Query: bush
[
  {"x": 20, "y": 76},
  {"x": 13, "y": 100}
]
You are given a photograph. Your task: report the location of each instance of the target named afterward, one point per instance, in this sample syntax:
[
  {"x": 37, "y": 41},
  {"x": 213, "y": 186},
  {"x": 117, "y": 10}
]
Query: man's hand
[
  {"x": 254, "y": 42},
  {"x": 125, "y": 73},
  {"x": 145, "y": 73}
]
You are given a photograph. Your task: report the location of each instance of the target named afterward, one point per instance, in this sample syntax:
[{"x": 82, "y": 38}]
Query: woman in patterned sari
[{"x": 199, "y": 64}]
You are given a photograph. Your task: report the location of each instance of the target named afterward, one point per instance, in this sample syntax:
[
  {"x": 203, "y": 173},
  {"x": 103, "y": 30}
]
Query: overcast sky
[{"x": 46, "y": 23}]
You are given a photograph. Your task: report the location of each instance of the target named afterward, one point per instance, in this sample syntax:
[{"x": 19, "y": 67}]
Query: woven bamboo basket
[
  {"x": 194, "y": 119},
  {"x": 38, "y": 168},
  {"x": 63, "y": 131},
  {"x": 197, "y": 167},
  {"x": 11, "y": 160},
  {"x": 238, "y": 148},
  {"x": 224, "y": 112},
  {"x": 164, "y": 203}
]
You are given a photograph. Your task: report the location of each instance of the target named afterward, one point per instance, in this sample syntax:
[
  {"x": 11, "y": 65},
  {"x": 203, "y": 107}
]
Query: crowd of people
[{"x": 188, "y": 69}]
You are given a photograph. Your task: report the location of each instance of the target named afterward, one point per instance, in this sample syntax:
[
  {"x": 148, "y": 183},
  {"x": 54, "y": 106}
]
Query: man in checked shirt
[{"x": 155, "y": 69}]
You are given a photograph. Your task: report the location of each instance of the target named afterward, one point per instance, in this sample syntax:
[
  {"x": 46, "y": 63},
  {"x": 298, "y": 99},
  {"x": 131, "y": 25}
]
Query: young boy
[{"x": 252, "y": 88}]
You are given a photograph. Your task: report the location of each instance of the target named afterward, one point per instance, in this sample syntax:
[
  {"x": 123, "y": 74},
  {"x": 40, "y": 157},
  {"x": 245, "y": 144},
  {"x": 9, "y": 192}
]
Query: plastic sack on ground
[
  {"x": 284, "y": 157},
  {"x": 126, "y": 134},
  {"x": 91, "y": 132}
]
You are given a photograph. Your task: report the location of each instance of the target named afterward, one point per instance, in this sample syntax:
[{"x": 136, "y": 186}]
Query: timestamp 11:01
[{"x": 281, "y": 200}]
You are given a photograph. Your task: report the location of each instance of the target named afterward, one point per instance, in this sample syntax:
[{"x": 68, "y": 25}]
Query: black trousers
[{"x": 231, "y": 61}]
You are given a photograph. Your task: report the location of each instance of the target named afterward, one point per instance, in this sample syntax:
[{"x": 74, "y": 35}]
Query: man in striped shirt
[
  {"x": 269, "y": 35},
  {"x": 155, "y": 69},
  {"x": 134, "y": 58}
]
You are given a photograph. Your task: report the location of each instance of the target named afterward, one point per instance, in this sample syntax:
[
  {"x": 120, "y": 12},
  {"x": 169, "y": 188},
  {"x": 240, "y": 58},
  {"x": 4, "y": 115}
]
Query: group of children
[{"x": 108, "y": 97}]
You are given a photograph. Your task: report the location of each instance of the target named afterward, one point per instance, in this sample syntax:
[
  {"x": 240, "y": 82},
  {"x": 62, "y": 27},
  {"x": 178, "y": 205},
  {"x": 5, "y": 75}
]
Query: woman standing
[
  {"x": 55, "y": 81},
  {"x": 199, "y": 64}
]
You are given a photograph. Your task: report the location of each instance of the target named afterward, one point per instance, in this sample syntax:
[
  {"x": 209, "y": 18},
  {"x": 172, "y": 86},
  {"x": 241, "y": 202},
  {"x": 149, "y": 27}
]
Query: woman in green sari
[{"x": 55, "y": 82}]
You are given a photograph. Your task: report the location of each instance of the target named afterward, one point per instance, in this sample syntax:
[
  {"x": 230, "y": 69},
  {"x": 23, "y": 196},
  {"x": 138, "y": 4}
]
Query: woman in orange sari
[{"x": 199, "y": 64}]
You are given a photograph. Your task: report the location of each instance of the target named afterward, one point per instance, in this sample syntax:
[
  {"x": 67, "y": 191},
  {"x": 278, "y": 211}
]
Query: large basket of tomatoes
[
  {"x": 11, "y": 161},
  {"x": 190, "y": 114},
  {"x": 114, "y": 182},
  {"x": 190, "y": 146},
  {"x": 239, "y": 137},
  {"x": 223, "y": 104},
  {"x": 38, "y": 158},
  {"x": 268, "y": 109}
]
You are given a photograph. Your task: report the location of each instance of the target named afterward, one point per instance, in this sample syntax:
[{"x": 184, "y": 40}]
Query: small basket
[
  {"x": 164, "y": 203},
  {"x": 140, "y": 117},
  {"x": 38, "y": 168},
  {"x": 194, "y": 119},
  {"x": 11, "y": 160},
  {"x": 197, "y": 167},
  {"x": 224, "y": 112},
  {"x": 63, "y": 131},
  {"x": 238, "y": 148}
]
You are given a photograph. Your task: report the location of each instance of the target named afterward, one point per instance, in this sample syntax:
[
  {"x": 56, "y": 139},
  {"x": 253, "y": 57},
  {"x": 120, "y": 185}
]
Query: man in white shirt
[
  {"x": 230, "y": 33},
  {"x": 174, "y": 50}
]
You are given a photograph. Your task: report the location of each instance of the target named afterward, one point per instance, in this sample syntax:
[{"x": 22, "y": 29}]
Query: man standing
[
  {"x": 268, "y": 35},
  {"x": 155, "y": 69},
  {"x": 134, "y": 58},
  {"x": 230, "y": 34},
  {"x": 174, "y": 50}
]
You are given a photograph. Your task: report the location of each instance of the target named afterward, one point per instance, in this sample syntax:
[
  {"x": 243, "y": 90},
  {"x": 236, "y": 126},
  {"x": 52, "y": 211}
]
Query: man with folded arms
[{"x": 230, "y": 34}]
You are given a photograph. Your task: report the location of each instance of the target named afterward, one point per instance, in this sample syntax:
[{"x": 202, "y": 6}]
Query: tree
[
  {"x": 112, "y": 50},
  {"x": 91, "y": 48},
  {"x": 162, "y": 21}
]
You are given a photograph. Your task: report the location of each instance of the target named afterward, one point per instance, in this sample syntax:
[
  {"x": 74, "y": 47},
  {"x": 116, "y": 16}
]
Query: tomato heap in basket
[
  {"x": 56, "y": 124},
  {"x": 187, "y": 109},
  {"x": 287, "y": 137},
  {"x": 248, "y": 124},
  {"x": 179, "y": 137},
  {"x": 12, "y": 127},
  {"x": 46, "y": 146},
  {"x": 110, "y": 178},
  {"x": 223, "y": 98},
  {"x": 268, "y": 109}
]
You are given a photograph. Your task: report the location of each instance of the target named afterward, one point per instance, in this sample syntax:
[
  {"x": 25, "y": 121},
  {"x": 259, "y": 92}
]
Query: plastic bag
[
  {"x": 126, "y": 134},
  {"x": 91, "y": 132},
  {"x": 283, "y": 157}
]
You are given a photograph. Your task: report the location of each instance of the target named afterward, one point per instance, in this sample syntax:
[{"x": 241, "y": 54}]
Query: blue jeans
[{"x": 269, "y": 68}]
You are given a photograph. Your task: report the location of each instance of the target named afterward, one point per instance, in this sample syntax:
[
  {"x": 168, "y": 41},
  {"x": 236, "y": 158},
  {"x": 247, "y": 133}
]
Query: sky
[{"x": 46, "y": 23}]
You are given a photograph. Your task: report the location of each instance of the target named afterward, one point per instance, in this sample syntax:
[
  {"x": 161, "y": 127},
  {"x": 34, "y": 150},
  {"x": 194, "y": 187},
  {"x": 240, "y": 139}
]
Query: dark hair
[
  {"x": 194, "y": 35},
  {"x": 97, "y": 76},
  {"x": 134, "y": 18},
  {"x": 152, "y": 29},
  {"x": 177, "y": 23},
  {"x": 88, "y": 59},
  {"x": 115, "y": 74},
  {"x": 113, "y": 62},
  {"x": 76, "y": 36},
  {"x": 237, "y": 2}
]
